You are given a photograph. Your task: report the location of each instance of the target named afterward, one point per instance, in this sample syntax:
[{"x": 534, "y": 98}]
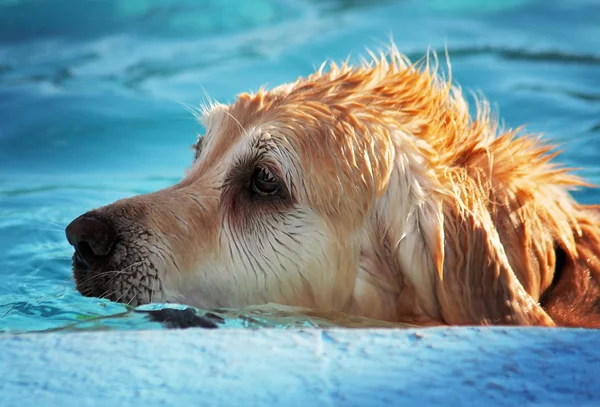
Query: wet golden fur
[{"x": 425, "y": 214}]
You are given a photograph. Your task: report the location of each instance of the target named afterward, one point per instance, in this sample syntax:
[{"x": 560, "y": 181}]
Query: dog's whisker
[
  {"x": 131, "y": 300},
  {"x": 59, "y": 226},
  {"x": 123, "y": 294},
  {"x": 112, "y": 273},
  {"x": 100, "y": 275},
  {"x": 244, "y": 131},
  {"x": 107, "y": 294}
]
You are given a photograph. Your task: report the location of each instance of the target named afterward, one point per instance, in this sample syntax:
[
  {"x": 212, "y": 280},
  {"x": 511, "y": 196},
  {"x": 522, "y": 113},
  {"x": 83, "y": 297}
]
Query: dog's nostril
[
  {"x": 84, "y": 251},
  {"x": 91, "y": 236}
]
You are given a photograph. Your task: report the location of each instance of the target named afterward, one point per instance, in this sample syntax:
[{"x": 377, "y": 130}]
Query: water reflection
[{"x": 159, "y": 316}]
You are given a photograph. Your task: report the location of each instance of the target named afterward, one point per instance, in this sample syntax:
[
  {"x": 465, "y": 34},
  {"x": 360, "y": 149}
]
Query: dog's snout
[{"x": 92, "y": 237}]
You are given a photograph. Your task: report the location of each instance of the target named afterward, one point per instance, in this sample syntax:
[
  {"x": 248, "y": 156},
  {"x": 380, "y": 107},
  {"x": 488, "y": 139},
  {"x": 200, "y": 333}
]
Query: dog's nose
[{"x": 92, "y": 237}]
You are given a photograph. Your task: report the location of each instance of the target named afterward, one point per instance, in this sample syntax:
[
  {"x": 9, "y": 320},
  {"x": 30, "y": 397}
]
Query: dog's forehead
[
  {"x": 307, "y": 133},
  {"x": 233, "y": 133}
]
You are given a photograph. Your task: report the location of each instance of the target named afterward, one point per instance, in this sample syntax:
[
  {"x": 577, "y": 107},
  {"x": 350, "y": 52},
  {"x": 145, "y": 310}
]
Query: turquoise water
[{"x": 93, "y": 95}]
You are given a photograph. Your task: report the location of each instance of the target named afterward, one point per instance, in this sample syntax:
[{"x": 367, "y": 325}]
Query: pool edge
[{"x": 304, "y": 367}]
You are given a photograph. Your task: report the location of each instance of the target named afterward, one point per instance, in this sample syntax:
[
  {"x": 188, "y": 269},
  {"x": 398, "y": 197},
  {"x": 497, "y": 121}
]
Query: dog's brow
[
  {"x": 263, "y": 142},
  {"x": 252, "y": 156}
]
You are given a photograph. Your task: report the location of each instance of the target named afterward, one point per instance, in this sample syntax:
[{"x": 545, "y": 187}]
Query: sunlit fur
[{"x": 401, "y": 207}]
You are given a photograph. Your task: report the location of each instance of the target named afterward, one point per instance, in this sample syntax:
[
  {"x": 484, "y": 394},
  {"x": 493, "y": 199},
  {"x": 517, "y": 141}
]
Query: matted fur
[{"x": 400, "y": 206}]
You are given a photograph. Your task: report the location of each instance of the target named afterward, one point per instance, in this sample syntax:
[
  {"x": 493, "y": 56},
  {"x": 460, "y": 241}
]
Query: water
[{"x": 92, "y": 97}]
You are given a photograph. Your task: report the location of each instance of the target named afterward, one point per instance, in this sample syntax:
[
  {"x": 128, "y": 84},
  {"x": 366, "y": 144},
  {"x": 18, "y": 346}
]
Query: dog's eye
[{"x": 264, "y": 183}]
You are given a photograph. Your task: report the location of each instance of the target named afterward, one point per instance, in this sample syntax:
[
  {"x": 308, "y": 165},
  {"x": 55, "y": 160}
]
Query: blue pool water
[{"x": 93, "y": 95}]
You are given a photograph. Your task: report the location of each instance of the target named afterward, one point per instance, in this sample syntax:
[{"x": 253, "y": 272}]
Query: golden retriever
[{"x": 367, "y": 190}]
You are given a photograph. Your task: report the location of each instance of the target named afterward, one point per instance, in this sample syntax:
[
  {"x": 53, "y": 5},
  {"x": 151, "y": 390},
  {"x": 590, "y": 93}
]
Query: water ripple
[
  {"x": 579, "y": 95},
  {"x": 527, "y": 55}
]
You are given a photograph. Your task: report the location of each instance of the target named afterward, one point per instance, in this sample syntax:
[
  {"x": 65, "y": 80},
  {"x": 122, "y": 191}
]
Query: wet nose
[{"x": 92, "y": 237}]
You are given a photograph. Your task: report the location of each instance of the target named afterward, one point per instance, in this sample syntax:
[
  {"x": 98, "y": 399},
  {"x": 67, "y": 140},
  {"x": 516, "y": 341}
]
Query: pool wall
[{"x": 434, "y": 367}]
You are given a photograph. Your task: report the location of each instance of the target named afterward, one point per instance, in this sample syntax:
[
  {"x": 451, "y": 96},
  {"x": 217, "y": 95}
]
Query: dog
[{"x": 368, "y": 190}]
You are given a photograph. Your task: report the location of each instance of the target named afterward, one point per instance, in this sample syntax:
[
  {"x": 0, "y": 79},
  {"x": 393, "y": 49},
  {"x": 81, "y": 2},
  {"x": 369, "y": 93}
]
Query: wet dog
[{"x": 368, "y": 190}]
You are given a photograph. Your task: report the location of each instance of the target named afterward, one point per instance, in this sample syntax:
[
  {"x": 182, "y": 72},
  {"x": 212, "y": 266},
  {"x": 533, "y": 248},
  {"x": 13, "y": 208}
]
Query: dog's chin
[{"x": 131, "y": 283}]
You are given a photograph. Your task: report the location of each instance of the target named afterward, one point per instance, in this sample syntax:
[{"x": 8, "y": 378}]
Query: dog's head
[{"x": 284, "y": 203}]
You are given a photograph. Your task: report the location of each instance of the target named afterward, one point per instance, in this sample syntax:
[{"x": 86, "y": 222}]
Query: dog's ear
[
  {"x": 448, "y": 254},
  {"x": 477, "y": 284},
  {"x": 573, "y": 299}
]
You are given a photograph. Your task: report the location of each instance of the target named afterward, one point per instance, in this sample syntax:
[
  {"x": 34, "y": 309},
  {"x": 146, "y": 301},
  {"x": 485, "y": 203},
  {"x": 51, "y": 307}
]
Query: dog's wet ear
[{"x": 478, "y": 285}]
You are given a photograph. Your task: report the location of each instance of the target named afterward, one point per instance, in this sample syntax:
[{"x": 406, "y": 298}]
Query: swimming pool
[{"x": 93, "y": 100}]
